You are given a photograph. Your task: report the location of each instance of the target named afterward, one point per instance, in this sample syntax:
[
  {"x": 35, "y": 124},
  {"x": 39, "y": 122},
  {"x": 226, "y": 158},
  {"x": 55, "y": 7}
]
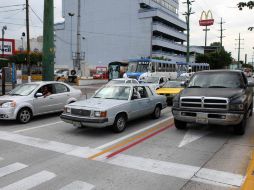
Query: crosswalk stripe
[
  {"x": 11, "y": 168},
  {"x": 31, "y": 181},
  {"x": 78, "y": 185}
]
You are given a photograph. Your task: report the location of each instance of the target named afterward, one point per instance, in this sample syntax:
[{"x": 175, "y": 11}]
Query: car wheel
[
  {"x": 251, "y": 109},
  {"x": 120, "y": 123},
  {"x": 240, "y": 128},
  {"x": 157, "y": 112},
  {"x": 180, "y": 124},
  {"x": 24, "y": 115}
]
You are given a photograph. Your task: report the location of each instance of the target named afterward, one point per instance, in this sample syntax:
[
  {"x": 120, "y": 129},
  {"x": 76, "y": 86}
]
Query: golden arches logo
[{"x": 206, "y": 18}]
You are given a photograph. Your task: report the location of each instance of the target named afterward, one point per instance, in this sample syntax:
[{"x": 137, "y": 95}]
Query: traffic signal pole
[{"x": 48, "y": 41}]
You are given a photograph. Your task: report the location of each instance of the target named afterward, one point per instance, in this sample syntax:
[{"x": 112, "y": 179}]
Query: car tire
[
  {"x": 157, "y": 112},
  {"x": 251, "y": 110},
  {"x": 119, "y": 123},
  {"x": 180, "y": 124},
  {"x": 24, "y": 115},
  {"x": 240, "y": 128}
]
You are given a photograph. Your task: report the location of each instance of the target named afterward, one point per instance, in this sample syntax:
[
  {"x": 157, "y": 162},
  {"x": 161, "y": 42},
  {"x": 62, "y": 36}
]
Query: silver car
[
  {"x": 36, "y": 98},
  {"x": 114, "y": 106}
]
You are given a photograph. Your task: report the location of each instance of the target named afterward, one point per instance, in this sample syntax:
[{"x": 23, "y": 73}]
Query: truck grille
[
  {"x": 81, "y": 112},
  {"x": 204, "y": 102}
]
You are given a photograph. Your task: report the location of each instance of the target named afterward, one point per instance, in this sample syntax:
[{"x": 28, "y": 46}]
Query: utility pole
[
  {"x": 28, "y": 43},
  {"x": 71, "y": 15},
  {"x": 78, "y": 38},
  {"x": 48, "y": 41},
  {"x": 246, "y": 56},
  {"x": 221, "y": 33},
  {"x": 187, "y": 15},
  {"x": 206, "y": 30},
  {"x": 239, "y": 50}
]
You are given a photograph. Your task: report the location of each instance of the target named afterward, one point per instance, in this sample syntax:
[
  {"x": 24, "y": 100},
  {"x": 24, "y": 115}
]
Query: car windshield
[
  {"x": 138, "y": 67},
  {"x": 23, "y": 90},
  {"x": 116, "y": 82},
  {"x": 216, "y": 80},
  {"x": 152, "y": 80},
  {"x": 114, "y": 92},
  {"x": 173, "y": 84}
]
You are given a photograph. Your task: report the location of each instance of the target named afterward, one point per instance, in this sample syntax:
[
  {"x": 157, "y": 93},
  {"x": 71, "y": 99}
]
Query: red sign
[
  {"x": 9, "y": 47},
  {"x": 207, "y": 22},
  {"x": 206, "y": 19}
]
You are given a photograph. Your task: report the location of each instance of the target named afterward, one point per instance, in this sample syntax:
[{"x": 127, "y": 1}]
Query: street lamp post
[
  {"x": 71, "y": 15},
  {"x": 22, "y": 39},
  {"x": 3, "y": 32}
]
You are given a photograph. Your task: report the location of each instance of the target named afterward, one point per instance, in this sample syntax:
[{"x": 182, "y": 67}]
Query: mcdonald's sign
[{"x": 206, "y": 19}]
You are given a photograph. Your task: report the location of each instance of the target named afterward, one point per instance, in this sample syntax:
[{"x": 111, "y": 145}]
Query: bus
[
  {"x": 144, "y": 67},
  {"x": 188, "y": 69},
  {"x": 117, "y": 69}
]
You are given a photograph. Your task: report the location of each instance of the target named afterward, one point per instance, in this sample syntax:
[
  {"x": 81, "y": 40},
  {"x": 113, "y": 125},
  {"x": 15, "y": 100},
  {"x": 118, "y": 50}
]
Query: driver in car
[{"x": 46, "y": 91}]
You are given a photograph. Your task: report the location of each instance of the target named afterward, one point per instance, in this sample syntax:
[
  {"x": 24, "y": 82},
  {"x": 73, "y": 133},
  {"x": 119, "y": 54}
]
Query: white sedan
[{"x": 30, "y": 99}]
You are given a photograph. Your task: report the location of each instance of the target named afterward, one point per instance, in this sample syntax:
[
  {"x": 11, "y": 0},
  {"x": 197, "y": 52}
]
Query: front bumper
[
  {"x": 213, "y": 118},
  {"x": 85, "y": 121},
  {"x": 7, "y": 114}
]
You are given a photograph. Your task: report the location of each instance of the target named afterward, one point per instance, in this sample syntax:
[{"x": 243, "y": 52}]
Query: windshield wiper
[
  {"x": 217, "y": 87},
  {"x": 194, "y": 87}
]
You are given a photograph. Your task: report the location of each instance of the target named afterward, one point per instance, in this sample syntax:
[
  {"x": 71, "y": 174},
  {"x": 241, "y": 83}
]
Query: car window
[
  {"x": 134, "y": 82},
  {"x": 61, "y": 88},
  {"x": 142, "y": 91},
  {"x": 149, "y": 92},
  {"x": 128, "y": 81}
]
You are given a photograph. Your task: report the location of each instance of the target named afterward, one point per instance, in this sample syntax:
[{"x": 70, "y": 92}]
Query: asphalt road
[{"x": 150, "y": 154}]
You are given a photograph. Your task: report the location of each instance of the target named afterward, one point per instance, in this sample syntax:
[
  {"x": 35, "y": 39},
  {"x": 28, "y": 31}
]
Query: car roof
[
  {"x": 220, "y": 71},
  {"x": 45, "y": 82},
  {"x": 120, "y": 79}
]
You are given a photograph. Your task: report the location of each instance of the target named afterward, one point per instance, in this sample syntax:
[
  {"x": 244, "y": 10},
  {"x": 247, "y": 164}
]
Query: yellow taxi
[{"x": 170, "y": 89}]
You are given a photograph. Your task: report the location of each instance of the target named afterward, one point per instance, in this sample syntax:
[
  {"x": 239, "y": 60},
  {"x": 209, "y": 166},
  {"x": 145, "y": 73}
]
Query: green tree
[
  {"x": 250, "y": 5},
  {"x": 217, "y": 60}
]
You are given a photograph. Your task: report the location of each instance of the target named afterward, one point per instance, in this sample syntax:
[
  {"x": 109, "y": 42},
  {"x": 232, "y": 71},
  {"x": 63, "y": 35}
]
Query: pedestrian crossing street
[{"x": 35, "y": 179}]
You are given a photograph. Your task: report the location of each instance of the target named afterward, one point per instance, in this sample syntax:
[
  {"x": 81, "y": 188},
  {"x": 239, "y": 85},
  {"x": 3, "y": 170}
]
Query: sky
[{"x": 235, "y": 22}]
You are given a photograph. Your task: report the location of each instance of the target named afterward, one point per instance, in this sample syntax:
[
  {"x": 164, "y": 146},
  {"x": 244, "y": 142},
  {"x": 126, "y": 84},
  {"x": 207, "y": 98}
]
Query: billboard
[
  {"x": 206, "y": 19},
  {"x": 9, "y": 47}
]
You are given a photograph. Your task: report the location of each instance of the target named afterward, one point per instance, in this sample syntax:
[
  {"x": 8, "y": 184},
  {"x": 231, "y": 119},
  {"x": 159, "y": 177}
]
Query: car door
[
  {"x": 140, "y": 106},
  {"x": 44, "y": 104},
  {"x": 62, "y": 94}
]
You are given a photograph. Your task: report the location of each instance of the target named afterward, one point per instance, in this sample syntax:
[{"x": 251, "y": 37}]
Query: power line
[
  {"x": 11, "y": 10},
  {"x": 36, "y": 14},
  {"x": 17, "y": 5}
]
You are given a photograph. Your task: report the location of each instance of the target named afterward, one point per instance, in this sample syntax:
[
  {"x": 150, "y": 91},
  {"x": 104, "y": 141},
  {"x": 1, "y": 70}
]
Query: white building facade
[{"x": 118, "y": 30}]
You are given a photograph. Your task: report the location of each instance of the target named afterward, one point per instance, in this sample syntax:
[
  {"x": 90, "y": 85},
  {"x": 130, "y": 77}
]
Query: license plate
[
  {"x": 76, "y": 124},
  {"x": 202, "y": 118}
]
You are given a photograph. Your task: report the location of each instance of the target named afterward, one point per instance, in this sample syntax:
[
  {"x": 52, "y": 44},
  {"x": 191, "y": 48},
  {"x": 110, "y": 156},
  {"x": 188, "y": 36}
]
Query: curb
[{"x": 249, "y": 179}]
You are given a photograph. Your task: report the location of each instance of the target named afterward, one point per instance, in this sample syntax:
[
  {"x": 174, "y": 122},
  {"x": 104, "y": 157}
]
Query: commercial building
[{"x": 117, "y": 30}]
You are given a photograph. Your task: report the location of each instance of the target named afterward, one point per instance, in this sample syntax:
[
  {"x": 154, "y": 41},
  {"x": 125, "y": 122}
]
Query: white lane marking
[
  {"x": 67, "y": 149},
  {"x": 11, "y": 169},
  {"x": 41, "y": 126},
  {"x": 191, "y": 136},
  {"x": 213, "y": 183},
  {"x": 176, "y": 170},
  {"x": 131, "y": 134},
  {"x": 139, "y": 163},
  {"x": 220, "y": 177},
  {"x": 31, "y": 181},
  {"x": 78, "y": 185}
]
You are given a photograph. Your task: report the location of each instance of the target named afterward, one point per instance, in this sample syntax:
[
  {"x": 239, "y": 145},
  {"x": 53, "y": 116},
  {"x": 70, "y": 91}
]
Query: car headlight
[
  {"x": 67, "y": 110},
  {"x": 100, "y": 114},
  {"x": 9, "y": 104},
  {"x": 236, "y": 107}
]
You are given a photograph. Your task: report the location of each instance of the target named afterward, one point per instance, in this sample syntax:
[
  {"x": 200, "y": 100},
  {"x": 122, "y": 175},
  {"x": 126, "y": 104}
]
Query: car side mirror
[
  {"x": 37, "y": 95},
  {"x": 183, "y": 83},
  {"x": 250, "y": 84}
]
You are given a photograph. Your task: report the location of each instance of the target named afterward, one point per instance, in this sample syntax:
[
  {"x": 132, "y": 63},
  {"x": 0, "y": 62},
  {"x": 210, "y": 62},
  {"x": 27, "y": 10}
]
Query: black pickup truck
[{"x": 216, "y": 97}]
